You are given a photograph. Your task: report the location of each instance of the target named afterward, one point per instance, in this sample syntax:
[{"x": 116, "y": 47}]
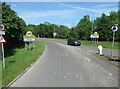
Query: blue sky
[{"x": 66, "y": 13}]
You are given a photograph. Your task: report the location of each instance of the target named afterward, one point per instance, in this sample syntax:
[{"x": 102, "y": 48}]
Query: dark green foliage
[
  {"x": 104, "y": 24},
  {"x": 47, "y": 29},
  {"x": 84, "y": 28},
  {"x": 14, "y": 28}
]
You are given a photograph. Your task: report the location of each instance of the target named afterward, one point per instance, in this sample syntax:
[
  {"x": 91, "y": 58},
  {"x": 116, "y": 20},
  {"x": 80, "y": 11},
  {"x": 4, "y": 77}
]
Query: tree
[
  {"x": 104, "y": 24},
  {"x": 14, "y": 26},
  {"x": 84, "y": 28}
]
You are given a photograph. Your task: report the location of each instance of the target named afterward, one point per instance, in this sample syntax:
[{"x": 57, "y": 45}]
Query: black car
[{"x": 73, "y": 42}]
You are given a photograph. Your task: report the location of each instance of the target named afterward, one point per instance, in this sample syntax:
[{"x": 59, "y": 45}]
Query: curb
[
  {"x": 103, "y": 58},
  {"x": 6, "y": 87}
]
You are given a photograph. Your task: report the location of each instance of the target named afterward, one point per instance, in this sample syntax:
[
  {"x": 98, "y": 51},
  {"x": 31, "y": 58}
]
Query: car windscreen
[{"x": 74, "y": 39}]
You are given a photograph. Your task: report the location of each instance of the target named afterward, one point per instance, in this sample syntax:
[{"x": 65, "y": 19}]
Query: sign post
[
  {"x": 95, "y": 37},
  {"x": 3, "y": 56},
  {"x": 114, "y": 29},
  {"x": 54, "y": 34},
  {"x": 2, "y": 40},
  {"x": 29, "y": 38}
]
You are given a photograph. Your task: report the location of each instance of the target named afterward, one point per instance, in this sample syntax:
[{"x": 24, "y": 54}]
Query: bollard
[{"x": 100, "y": 49}]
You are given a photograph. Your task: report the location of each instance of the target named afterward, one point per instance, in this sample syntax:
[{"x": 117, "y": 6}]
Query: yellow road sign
[{"x": 29, "y": 37}]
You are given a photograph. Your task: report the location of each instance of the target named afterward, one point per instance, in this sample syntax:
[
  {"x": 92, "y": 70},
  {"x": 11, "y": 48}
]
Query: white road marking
[
  {"x": 68, "y": 73},
  {"x": 105, "y": 70},
  {"x": 87, "y": 59},
  {"x": 91, "y": 51},
  {"x": 86, "y": 53},
  {"x": 65, "y": 76}
]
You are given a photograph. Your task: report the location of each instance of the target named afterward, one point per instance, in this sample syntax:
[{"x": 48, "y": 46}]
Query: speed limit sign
[
  {"x": 114, "y": 28},
  {"x": 2, "y": 27}
]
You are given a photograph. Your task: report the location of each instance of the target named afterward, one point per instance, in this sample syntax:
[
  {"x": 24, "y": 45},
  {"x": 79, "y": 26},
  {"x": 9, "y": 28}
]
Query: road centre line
[
  {"x": 86, "y": 53},
  {"x": 91, "y": 51}
]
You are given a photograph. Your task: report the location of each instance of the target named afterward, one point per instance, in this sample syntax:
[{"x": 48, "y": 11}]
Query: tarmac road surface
[{"x": 63, "y": 65}]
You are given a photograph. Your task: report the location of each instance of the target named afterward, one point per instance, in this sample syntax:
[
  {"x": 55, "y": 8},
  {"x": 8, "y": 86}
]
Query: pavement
[{"x": 63, "y": 65}]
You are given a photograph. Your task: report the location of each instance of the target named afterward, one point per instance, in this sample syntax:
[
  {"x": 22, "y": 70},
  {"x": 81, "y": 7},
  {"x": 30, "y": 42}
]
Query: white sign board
[
  {"x": 95, "y": 33},
  {"x": 2, "y": 27},
  {"x": 91, "y": 36},
  {"x": 2, "y": 32},
  {"x": 54, "y": 34},
  {"x": 95, "y": 36},
  {"x": 29, "y": 33},
  {"x": 2, "y": 40},
  {"x": 114, "y": 28},
  {"x": 29, "y": 39}
]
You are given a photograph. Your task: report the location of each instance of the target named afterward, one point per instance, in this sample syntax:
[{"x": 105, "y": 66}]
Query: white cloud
[
  {"x": 12, "y": 5},
  {"x": 80, "y": 8},
  {"x": 94, "y": 11},
  {"x": 106, "y": 5},
  {"x": 36, "y": 14}
]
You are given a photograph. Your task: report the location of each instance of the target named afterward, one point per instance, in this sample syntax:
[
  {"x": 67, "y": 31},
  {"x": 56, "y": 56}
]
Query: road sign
[
  {"x": 2, "y": 40},
  {"x": 29, "y": 33},
  {"x": 29, "y": 37},
  {"x": 95, "y": 35},
  {"x": 91, "y": 36},
  {"x": 2, "y": 32},
  {"x": 2, "y": 27},
  {"x": 114, "y": 28},
  {"x": 54, "y": 34}
]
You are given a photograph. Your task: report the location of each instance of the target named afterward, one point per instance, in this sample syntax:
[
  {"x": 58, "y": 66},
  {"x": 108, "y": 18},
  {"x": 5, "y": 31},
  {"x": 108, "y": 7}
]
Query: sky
[{"x": 61, "y": 13}]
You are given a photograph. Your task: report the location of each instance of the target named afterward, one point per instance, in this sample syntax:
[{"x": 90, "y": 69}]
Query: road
[{"x": 62, "y": 65}]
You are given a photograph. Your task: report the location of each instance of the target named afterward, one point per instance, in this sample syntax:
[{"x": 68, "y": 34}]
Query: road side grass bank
[
  {"x": 17, "y": 63},
  {"x": 105, "y": 44}
]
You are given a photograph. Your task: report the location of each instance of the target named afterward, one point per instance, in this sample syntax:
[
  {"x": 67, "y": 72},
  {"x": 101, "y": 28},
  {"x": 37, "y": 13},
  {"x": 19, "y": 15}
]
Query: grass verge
[
  {"x": 105, "y": 44},
  {"x": 17, "y": 63}
]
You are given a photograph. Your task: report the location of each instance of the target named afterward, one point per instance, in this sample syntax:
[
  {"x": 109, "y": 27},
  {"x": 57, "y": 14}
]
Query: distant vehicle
[{"x": 74, "y": 42}]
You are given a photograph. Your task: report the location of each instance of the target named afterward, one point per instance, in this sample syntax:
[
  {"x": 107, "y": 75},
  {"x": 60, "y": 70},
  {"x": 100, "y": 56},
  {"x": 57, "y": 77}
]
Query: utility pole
[
  {"x": 92, "y": 24},
  {"x": 92, "y": 29}
]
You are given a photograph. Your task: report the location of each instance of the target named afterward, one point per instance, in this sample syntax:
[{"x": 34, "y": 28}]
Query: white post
[
  {"x": 112, "y": 45},
  {"x": 100, "y": 49},
  {"x": 3, "y": 56},
  {"x": 34, "y": 45},
  {"x": 25, "y": 46},
  {"x": 97, "y": 40}
]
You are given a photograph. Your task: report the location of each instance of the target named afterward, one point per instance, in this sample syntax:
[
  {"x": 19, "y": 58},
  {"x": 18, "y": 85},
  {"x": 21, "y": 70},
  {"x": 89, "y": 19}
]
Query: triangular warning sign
[{"x": 2, "y": 40}]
